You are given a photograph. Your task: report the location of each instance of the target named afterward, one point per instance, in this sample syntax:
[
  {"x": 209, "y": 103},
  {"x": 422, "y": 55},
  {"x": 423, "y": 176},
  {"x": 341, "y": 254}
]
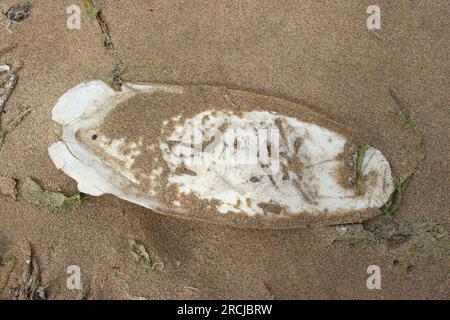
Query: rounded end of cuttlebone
[
  {"x": 75, "y": 102},
  {"x": 85, "y": 176}
]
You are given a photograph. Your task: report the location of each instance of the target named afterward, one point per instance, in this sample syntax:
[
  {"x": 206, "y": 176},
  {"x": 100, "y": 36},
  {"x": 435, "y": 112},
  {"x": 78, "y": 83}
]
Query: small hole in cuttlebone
[{"x": 94, "y": 136}]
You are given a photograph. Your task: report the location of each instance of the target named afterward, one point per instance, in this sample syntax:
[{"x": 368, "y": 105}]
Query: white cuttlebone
[
  {"x": 215, "y": 179},
  {"x": 86, "y": 106}
]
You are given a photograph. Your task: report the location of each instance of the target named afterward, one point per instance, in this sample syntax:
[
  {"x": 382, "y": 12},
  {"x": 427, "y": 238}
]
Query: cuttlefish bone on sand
[{"x": 218, "y": 155}]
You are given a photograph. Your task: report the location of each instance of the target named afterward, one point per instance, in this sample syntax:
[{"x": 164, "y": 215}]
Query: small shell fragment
[
  {"x": 19, "y": 12},
  {"x": 215, "y": 154},
  {"x": 4, "y": 68}
]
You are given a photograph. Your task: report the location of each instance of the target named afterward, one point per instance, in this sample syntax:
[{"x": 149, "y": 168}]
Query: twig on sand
[
  {"x": 5, "y": 22},
  {"x": 31, "y": 287},
  {"x": 13, "y": 124},
  {"x": 6, "y": 90}
]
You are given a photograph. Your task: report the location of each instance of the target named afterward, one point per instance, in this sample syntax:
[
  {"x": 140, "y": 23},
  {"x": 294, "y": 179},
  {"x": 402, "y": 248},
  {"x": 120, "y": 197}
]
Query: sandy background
[{"x": 316, "y": 52}]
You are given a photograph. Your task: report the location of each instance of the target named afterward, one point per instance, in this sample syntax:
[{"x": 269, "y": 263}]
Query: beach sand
[{"x": 309, "y": 52}]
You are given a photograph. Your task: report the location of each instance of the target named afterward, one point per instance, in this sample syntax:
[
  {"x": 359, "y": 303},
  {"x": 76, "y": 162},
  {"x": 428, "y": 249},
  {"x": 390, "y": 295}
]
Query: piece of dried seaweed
[
  {"x": 47, "y": 201},
  {"x": 31, "y": 287},
  {"x": 95, "y": 13},
  {"x": 6, "y": 90},
  {"x": 391, "y": 207},
  {"x": 141, "y": 255}
]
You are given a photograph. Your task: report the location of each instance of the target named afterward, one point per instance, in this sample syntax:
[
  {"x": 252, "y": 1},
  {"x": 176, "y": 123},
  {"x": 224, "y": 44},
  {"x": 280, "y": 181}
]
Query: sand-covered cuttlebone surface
[
  {"x": 319, "y": 53},
  {"x": 217, "y": 155}
]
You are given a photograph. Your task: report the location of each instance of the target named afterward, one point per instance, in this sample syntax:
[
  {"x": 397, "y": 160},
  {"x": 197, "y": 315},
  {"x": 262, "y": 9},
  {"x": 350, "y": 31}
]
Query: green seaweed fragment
[
  {"x": 411, "y": 125},
  {"x": 424, "y": 238},
  {"x": 391, "y": 207},
  {"x": 141, "y": 255},
  {"x": 114, "y": 85},
  {"x": 95, "y": 13},
  {"x": 47, "y": 201}
]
